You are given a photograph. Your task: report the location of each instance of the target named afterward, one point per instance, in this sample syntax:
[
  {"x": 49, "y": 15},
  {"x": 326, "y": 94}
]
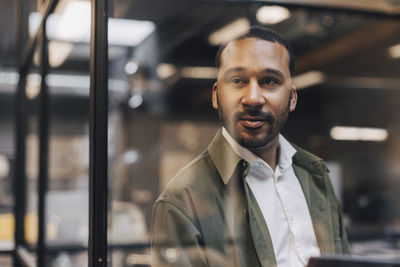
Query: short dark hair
[{"x": 262, "y": 33}]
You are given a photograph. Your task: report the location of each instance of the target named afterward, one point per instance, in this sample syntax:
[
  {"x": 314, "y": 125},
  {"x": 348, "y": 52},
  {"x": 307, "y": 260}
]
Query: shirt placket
[{"x": 288, "y": 218}]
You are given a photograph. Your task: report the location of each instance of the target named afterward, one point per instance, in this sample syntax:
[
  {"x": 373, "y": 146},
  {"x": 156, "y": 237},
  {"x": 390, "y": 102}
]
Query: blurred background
[{"x": 161, "y": 72}]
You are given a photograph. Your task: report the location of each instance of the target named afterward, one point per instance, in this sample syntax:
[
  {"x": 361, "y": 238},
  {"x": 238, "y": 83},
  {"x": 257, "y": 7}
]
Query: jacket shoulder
[
  {"x": 193, "y": 173},
  {"x": 302, "y": 153},
  {"x": 199, "y": 179},
  {"x": 309, "y": 161}
]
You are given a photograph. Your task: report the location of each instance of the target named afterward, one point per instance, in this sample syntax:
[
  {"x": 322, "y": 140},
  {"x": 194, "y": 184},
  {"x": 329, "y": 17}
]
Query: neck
[{"x": 269, "y": 153}]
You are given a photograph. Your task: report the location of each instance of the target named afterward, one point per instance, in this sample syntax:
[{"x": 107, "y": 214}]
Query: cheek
[
  {"x": 227, "y": 107},
  {"x": 276, "y": 99},
  {"x": 278, "y": 102},
  {"x": 226, "y": 100}
]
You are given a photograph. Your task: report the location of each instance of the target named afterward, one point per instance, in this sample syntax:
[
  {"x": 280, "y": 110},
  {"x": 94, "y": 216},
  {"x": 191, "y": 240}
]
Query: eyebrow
[
  {"x": 240, "y": 69},
  {"x": 274, "y": 71}
]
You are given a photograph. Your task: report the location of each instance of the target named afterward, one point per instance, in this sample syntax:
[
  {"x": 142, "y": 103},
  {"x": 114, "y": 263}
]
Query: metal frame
[
  {"x": 98, "y": 138},
  {"x": 19, "y": 183},
  {"x": 98, "y": 176},
  {"x": 43, "y": 149},
  {"x": 20, "y": 179},
  {"x": 24, "y": 62}
]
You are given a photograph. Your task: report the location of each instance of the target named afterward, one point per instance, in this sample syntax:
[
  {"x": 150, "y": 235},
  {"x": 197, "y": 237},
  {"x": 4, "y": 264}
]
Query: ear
[
  {"x": 293, "y": 100},
  {"x": 214, "y": 96}
]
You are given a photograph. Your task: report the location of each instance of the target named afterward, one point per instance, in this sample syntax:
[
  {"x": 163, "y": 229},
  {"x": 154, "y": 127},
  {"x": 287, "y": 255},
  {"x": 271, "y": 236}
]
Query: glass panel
[
  {"x": 65, "y": 258},
  {"x": 161, "y": 116},
  {"x": 6, "y": 261},
  {"x": 68, "y": 81},
  {"x": 32, "y": 90},
  {"x": 8, "y": 81}
]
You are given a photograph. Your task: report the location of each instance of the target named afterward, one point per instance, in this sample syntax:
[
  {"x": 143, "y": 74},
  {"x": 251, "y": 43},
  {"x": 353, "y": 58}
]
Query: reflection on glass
[
  {"x": 32, "y": 91},
  {"x": 160, "y": 114},
  {"x": 6, "y": 261},
  {"x": 66, "y": 259},
  {"x": 6, "y": 204},
  {"x": 68, "y": 81},
  {"x": 251, "y": 198}
]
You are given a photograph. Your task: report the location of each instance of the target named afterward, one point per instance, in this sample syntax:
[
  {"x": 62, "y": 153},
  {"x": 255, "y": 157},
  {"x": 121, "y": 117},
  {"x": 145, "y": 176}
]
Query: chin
[
  {"x": 252, "y": 142},
  {"x": 255, "y": 142}
]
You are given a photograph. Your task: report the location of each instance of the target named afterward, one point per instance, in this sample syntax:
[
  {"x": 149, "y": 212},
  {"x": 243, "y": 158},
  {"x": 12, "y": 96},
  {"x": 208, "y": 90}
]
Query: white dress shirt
[{"x": 282, "y": 202}]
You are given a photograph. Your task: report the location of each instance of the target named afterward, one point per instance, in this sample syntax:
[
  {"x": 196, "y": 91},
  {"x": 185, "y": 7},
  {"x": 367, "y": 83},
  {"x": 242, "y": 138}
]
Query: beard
[{"x": 247, "y": 139}]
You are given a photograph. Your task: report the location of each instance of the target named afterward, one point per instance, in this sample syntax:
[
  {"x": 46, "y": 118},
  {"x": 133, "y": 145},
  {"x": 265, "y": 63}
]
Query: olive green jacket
[{"x": 208, "y": 216}]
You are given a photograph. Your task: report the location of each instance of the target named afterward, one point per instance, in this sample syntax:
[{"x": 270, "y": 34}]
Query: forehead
[{"x": 255, "y": 53}]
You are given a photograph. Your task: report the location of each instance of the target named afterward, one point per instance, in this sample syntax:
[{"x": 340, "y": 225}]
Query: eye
[
  {"x": 268, "y": 81},
  {"x": 239, "y": 80}
]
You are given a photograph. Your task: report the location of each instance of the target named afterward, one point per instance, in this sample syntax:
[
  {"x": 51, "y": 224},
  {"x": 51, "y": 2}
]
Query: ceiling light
[
  {"x": 79, "y": 84},
  {"x": 128, "y": 32},
  {"x": 59, "y": 52},
  {"x": 131, "y": 67},
  {"x": 131, "y": 156},
  {"x": 34, "y": 22},
  {"x": 73, "y": 25},
  {"x": 358, "y": 134},
  {"x": 10, "y": 78},
  {"x": 135, "y": 101},
  {"x": 164, "y": 70},
  {"x": 308, "y": 79},
  {"x": 394, "y": 51},
  {"x": 272, "y": 14},
  {"x": 229, "y": 32},
  {"x": 69, "y": 81},
  {"x": 199, "y": 72}
]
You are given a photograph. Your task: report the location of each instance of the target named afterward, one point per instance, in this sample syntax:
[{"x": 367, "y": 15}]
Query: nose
[{"x": 253, "y": 96}]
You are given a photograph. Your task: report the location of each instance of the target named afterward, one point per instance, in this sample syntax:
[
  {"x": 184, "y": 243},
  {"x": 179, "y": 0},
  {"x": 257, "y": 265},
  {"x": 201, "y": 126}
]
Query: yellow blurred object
[
  {"x": 31, "y": 228},
  {"x": 6, "y": 227}
]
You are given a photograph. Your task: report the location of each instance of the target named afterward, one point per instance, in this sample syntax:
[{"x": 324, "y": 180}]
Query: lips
[{"x": 252, "y": 122}]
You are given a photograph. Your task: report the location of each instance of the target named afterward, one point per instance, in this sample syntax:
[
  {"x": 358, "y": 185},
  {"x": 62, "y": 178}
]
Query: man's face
[{"x": 254, "y": 92}]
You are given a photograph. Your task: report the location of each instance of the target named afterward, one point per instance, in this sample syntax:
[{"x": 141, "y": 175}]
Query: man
[{"x": 252, "y": 199}]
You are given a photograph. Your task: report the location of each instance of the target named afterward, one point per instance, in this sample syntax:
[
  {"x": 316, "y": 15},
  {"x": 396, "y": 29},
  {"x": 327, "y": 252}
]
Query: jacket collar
[
  {"x": 223, "y": 156},
  {"x": 226, "y": 160},
  {"x": 308, "y": 161},
  {"x": 285, "y": 156}
]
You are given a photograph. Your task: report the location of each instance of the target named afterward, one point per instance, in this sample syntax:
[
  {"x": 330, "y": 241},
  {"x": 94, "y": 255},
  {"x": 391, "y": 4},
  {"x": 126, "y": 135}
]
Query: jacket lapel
[
  {"x": 259, "y": 231},
  {"x": 313, "y": 180}
]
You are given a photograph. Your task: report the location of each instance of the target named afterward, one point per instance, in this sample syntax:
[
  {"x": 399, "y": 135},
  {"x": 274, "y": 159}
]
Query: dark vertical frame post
[
  {"x": 98, "y": 153},
  {"x": 43, "y": 148},
  {"x": 19, "y": 182}
]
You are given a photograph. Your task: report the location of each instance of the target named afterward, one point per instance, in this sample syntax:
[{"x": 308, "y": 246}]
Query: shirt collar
[{"x": 287, "y": 151}]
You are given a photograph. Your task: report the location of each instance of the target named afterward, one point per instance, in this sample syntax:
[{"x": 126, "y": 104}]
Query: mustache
[{"x": 255, "y": 113}]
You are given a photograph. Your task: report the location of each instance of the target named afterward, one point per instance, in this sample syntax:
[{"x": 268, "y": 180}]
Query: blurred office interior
[{"x": 160, "y": 75}]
